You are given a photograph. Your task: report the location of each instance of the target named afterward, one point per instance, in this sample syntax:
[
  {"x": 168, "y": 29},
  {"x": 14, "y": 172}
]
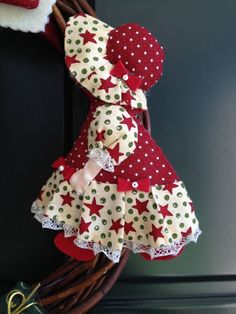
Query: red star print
[
  {"x": 100, "y": 136},
  {"x": 88, "y": 37},
  {"x": 141, "y": 206},
  {"x": 71, "y": 60},
  {"x": 188, "y": 232},
  {"x": 128, "y": 122},
  {"x": 127, "y": 97},
  {"x": 129, "y": 227},
  {"x": 169, "y": 187},
  {"x": 192, "y": 208},
  {"x": 83, "y": 226},
  {"x": 106, "y": 84},
  {"x": 156, "y": 233},
  {"x": 94, "y": 208},
  {"x": 115, "y": 152},
  {"x": 40, "y": 195},
  {"x": 116, "y": 225},
  {"x": 164, "y": 211},
  {"x": 67, "y": 199}
]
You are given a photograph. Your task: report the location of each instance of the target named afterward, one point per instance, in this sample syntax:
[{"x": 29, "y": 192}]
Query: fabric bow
[
  {"x": 123, "y": 185},
  {"x": 61, "y": 165},
  {"x": 119, "y": 70}
]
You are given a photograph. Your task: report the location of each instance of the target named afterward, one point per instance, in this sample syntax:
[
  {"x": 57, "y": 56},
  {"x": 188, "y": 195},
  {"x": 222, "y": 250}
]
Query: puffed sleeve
[{"x": 112, "y": 136}]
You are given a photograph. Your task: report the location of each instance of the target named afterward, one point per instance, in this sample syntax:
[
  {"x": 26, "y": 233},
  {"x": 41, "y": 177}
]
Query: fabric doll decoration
[{"x": 115, "y": 188}]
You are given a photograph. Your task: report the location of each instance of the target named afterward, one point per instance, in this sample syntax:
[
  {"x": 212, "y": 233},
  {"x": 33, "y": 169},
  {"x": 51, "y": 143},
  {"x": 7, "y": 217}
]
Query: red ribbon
[
  {"x": 65, "y": 169},
  {"x": 123, "y": 185},
  {"x": 119, "y": 70}
]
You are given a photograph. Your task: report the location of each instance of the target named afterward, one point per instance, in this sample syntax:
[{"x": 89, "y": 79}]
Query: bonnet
[{"x": 116, "y": 65}]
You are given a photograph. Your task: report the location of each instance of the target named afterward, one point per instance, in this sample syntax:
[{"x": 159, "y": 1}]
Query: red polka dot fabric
[{"x": 140, "y": 52}]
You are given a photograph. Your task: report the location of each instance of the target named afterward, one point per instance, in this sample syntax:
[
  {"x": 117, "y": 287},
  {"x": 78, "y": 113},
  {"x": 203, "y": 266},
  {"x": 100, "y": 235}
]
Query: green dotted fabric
[
  {"x": 117, "y": 127},
  {"x": 90, "y": 66},
  {"x": 153, "y": 219}
]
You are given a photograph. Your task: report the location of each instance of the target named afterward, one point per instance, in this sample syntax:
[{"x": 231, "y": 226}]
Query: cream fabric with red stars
[
  {"x": 112, "y": 136},
  {"x": 86, "y": 57}
]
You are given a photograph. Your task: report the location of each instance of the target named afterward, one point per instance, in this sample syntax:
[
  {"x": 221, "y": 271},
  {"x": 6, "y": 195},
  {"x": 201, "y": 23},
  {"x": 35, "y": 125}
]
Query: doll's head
[{"x": 115, "y": 65}]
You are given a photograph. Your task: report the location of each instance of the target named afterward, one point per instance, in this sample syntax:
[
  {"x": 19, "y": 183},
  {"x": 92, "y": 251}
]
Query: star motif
[
  {"x": 169, "y": 187},
  {"x": 164, "y": 211},
  {"x": 88, "y": 37},
  {"x": 116, "y": 225},
  {"x": 115, "y": 152},
  {"x": 127, "y": 97},
  {"x": 67, "y": 199},
  {"x": 106, "y": 84},
  {"x": 192, "y": 208},
  {"x": 94, "y": 208},
  {"x": 71, "y": 60},
  {"x": 156, "y": 233},
  {"x": 129, "y": 227},
  {"x": 40, "y": 194},
  {"x": 141, "y": 206},
  {"x": 83, "y": 226},
  {"x": 100, "y": 136},
  {"x": 128, "y": 122},
  {"x": 187, "y": 233}
]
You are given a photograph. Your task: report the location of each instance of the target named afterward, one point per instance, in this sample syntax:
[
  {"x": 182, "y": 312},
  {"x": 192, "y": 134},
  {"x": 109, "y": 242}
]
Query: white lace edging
[
  {"x": 113, "y": 255},
  {"x": 49, "y": 223},
  {"x": 102, "y": 158}
]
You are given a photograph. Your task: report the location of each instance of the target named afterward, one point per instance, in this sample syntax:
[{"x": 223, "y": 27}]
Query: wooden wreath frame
[{"x": 76, "y": 287}]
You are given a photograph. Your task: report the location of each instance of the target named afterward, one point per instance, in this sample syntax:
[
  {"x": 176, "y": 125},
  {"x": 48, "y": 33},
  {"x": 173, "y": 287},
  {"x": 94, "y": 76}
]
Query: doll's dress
[{"x": 135, "y": 201}]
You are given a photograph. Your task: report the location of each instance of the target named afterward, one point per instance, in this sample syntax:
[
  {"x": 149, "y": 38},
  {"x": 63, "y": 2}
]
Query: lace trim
[
  {"x": 113, "y": 255},
  {"x": 49, "y": 223},
  {"x": 102, "y": 158}
]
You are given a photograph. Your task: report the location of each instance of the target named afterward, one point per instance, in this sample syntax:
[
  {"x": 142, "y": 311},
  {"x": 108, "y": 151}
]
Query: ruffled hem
[{"x": 114, "y": 255}]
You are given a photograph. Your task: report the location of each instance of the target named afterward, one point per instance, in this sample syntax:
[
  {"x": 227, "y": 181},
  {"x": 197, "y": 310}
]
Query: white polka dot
[
  {"x": 70, "y": 154},
  {"x": 140, "y": 147},
  {"x": 75, "y": 148},
  {"x": 139, "y": 61},
  {"x": 112, "y": 50},
  {"x": 162, "y": 60},
  {"x": 78, "y": 155},
  {"x": 169, "y": 173},
  {"x": 163, "y": 166},
  {"x": 117, "y": 41},
  {"x": 145, "y": 52},
  {"x": 119, "y": 56},
  {"x": 150, "y": 177},
  {"x": 151, "y": 60},
  {"x": 111, "y": 37},
  {"x": 114, "y": 177},
  {"x": 137, "y": 32},
  {"x": 138, "y": 160},
  {"x": 101, "y": 174},
  {"x": 86, "y": 150},
  {"x": 130, "y": 166},
  {"x": 157, "y": 67},
  {"x": 131, "y": 39},
  {"x": 126, "y": 62},
  {"x": 123, "y": 34},
  {"x": 82, "y": 143},
  {"x": 145, "y": 83},
  {"x": 158, "y": 158},
  {"x": 151, "y": 163},
  {"x": 129, "y": 27},
  {"x": 145, "y": 68},
  {"x": 133, "y": 69},
  {"x": 141, "y": 134},
  {"x": 146, "y": 155},
  {"x": 125, "y": 47},
  {"x": 138, "y": 46},
  {"x": 157, "y": 53},
  {"x": 144, "y": 38},
  {"x": 122, "y": 171},
  {"x": 136, "y": 174},
  {"x": 152, "y": 150},
  {"x": 146, "y": 142},
  {"x": 132, "y": 54},
  {"x": 83, "y": 163},
  {"x": 128, "y": 179},
  {"x": 144, "y": 168},
  {"x": 157, "y": 170},
  {"x": 161, "y": 47},
  {"x": 73, "y": 161},
  {"x": 151, "y": 75},
  {"x": 163, "y": 179}
]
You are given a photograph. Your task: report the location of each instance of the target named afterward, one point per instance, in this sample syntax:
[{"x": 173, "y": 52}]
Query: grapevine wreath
[{"x": 115, "y": 191}]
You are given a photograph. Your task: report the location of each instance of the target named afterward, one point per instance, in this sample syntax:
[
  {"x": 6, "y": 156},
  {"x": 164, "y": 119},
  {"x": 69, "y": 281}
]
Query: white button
[
  {"x": 61, "y": 168},
  {"x": 125, "y": 77},
  {"x": 135, "y": 185}
]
